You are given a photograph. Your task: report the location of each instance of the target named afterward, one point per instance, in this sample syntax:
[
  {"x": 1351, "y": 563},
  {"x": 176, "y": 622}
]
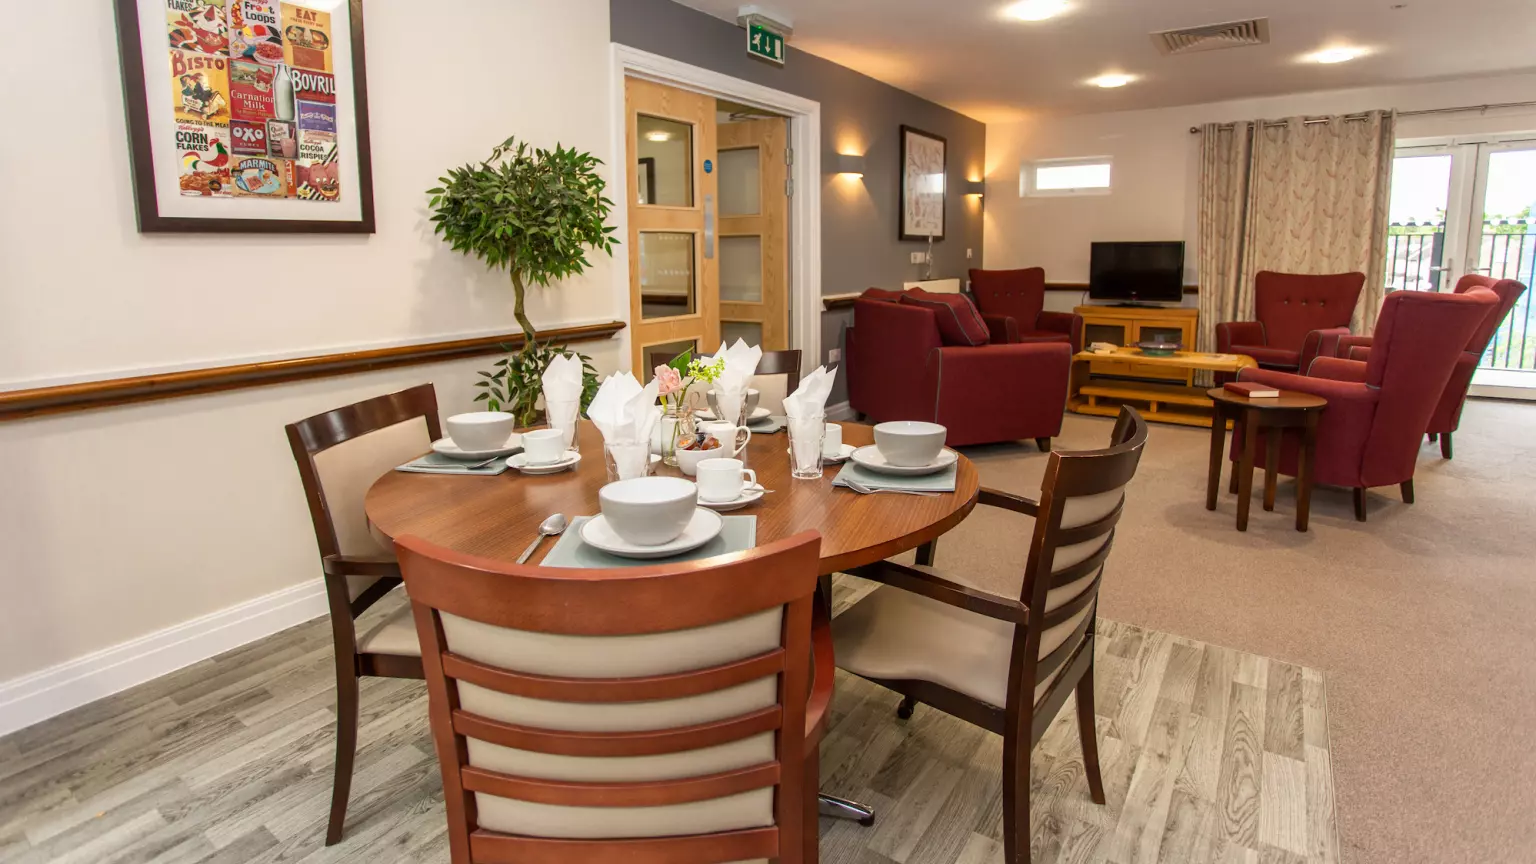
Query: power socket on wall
[
  {"x": 919, "y": 257},
  {"x": 834, "y": 355}
]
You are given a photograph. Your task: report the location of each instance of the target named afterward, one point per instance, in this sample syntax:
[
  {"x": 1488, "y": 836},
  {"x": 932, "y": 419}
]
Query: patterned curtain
[{"x": 1313, "y": 200}]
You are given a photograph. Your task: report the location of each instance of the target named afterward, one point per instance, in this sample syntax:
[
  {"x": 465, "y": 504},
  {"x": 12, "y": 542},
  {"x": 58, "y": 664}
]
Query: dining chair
[
  {"x": 778, "y": 375},
  {"x": 340, "y": 453},
  {"x": 1005, "y": 664},
  {"x": 649, "y": 714}
]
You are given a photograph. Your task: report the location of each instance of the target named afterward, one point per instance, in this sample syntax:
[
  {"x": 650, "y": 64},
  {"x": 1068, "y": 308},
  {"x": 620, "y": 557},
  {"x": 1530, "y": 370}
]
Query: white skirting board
[{"x": 36, "y": 697}]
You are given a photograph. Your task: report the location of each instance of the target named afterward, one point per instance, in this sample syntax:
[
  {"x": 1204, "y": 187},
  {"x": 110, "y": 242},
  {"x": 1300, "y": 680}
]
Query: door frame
[{"x": 805, "y": 172}]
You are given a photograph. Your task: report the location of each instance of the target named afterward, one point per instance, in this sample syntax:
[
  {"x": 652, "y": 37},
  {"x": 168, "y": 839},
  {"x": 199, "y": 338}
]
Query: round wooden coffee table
[
  {"x": 1289, "y": 410},
  {"x": 496, "y": 517}
]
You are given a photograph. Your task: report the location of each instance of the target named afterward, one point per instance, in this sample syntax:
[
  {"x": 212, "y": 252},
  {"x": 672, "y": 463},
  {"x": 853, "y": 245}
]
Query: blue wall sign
[{"x": 708, "y": 166}]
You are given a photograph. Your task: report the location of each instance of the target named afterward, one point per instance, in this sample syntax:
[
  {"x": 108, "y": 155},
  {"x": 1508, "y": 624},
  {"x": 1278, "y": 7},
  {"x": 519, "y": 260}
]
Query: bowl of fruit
[{"x": 695, "y": 450}]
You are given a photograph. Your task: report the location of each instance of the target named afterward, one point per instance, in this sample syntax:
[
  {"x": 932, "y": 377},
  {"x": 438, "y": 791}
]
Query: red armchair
[
  {"x": 1369, "y": 433},
  {"x": 1447, "y": 416},
  {"x": 1300, "y": 317},
  {"x": 1013, "y": 304},
  {"x": 899, "y": 370}
]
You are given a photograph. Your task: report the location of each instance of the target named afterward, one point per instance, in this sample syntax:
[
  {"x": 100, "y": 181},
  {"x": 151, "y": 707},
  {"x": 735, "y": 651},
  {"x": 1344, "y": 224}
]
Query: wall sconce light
[
  {"x": 975, "y": 187},
  {"x": 849, "y": 164}
]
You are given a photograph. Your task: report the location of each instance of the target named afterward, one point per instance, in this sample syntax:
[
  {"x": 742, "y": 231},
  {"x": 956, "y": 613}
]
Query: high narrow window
[{"x": 1089, "y": 176}]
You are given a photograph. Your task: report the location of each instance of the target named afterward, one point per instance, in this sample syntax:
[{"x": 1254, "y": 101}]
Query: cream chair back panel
[{"x": 347, "y": 470}]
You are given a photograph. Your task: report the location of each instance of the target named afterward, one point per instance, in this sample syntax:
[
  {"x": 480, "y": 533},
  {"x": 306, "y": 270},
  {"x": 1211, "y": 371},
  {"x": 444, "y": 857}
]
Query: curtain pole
[{"x": 1195, "y": 130}]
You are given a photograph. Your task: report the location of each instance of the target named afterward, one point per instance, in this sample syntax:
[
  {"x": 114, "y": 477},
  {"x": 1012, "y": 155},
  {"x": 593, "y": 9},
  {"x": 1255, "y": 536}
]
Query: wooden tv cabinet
[{"x": 1127, "y": 325}]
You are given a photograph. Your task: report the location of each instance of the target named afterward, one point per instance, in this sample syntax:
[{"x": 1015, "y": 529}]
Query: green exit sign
[{"x": 765, "y": 43}]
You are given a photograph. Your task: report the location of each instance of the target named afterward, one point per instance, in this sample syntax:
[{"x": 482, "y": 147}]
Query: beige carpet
[{"x": 1423, "y": 620}]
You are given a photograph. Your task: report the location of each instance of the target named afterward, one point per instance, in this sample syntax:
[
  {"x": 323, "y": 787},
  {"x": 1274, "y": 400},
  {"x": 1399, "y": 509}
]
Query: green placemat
[
  {"x": 941, "y": 481},
  {"x": 436, "y": 463},
  {"x": 769, "y": 425},
  {"x": 738, "y": 534}
]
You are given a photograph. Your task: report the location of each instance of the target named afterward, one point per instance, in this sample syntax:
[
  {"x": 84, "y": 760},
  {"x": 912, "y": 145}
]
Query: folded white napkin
[
  {"x": 623, "y": 411},
  {"x": 562, "y": 379},
  {"x": 731, "y": 387},
  {"x": 810, "y": 398}
]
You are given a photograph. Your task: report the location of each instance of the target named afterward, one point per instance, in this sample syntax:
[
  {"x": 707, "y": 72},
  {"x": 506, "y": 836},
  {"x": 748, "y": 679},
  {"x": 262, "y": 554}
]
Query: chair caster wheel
[
  {"x": 869, "y": 821},
  {"x": 904, "y": 710}
]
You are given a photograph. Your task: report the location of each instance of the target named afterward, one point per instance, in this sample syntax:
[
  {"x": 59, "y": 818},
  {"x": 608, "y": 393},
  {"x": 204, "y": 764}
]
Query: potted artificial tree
[{"x": 534, "y": 213}]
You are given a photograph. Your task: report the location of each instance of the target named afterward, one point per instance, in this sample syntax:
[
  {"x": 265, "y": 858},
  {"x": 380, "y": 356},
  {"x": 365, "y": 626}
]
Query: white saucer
[
  {"x": 869, "y": 457},
  {"x": 520, "y": 462},
  {"x": 842, "y": 455},
  {"x": 758, "y": 413},
  {"x": 702, "y": 528},
  {"x": 446, "y": 447},
  {"x": 748, "y": 495}
]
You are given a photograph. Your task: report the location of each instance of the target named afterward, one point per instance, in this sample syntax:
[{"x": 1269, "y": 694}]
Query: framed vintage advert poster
[
  {"x": 247, "y": 115},
  {"x": 922, "y": 185}
]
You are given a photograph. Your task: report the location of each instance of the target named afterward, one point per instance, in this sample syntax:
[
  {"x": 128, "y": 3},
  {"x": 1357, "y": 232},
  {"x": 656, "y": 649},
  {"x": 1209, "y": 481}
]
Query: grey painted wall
[{"x": 858, "y": 115}]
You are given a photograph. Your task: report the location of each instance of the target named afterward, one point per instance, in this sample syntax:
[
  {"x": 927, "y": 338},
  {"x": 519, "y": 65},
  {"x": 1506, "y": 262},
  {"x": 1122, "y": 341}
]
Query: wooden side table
[{"x": 1289, "y": 410}]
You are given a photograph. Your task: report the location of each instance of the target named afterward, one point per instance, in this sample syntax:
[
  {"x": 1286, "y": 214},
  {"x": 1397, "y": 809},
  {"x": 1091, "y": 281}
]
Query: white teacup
[
  {"x": 723, "y": 479},
  {"x": 728, "y": 434},
  {"x": 543, "y": 446},
  {"x": 832, "y": 442},
  {"x": 481, "y": 430}
]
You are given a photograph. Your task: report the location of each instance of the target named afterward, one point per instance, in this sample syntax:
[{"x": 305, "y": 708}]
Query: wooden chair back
[
  {"x": 778, "y": 374},
  {"x": 1082, "y": 497},
  {"x": 340, "y": 453},
  {"x": 647, "y": 714}
]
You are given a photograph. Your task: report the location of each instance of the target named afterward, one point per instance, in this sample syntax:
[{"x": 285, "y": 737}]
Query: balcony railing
[{"x": 1415, "y": 254}]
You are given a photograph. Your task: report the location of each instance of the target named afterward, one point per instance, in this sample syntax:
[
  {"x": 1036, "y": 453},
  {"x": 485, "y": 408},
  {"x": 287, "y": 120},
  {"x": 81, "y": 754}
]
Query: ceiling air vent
[{"x": 1213, "y": 37}]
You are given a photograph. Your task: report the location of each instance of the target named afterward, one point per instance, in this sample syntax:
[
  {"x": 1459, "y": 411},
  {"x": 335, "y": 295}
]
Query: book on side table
[{"x": 1251, "y": 390}]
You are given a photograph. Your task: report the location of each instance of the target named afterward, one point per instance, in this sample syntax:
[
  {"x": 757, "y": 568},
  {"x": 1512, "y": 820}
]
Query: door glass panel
[
  {"x": 667, "y": 287},
  {"x": 666, "y": 161},
  {"x": 657, "y": 355},
  {"x": 1508, "y": 251},
  {"x": 750, "y": 332},
  {"x": 741, "y": 269},
  {"x": 740, "y": 182},
  {"x": 1421, "y": 194}
]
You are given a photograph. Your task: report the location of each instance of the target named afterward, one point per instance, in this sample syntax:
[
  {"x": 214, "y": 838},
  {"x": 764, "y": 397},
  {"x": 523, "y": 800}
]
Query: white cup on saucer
[
  {"x": 543, "y": 446},
  {"x": 723, "y": 479},
  {"x": 832, "y": 442}
]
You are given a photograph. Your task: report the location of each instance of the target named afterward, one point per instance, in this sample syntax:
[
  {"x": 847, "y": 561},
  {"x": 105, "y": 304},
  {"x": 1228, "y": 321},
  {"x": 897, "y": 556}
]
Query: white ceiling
[{"x": 963, "y": 54}]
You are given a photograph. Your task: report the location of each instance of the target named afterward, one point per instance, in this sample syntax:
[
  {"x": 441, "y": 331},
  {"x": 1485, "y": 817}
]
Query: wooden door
[
  {"x": 673, "y": 251},
  {"x": 754, "y": 229}
]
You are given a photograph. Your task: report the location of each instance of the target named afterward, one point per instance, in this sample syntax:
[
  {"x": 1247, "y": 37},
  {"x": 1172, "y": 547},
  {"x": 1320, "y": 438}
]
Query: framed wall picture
[
  {"x": 922, "y": 185},
  {"x": 247, "y": 115}
]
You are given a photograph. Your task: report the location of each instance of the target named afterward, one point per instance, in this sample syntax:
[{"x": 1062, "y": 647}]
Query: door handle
[{"x": 709, "y": 226}]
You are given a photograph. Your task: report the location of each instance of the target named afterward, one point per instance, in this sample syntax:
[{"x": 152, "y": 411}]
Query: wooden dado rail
[
  {"x": 16, "y": 404},
  {"x": 845, "y": 301}
]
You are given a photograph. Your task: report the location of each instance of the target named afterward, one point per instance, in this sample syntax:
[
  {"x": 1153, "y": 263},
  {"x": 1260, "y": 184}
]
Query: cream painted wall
[
  {"x": 121, "y": 522},
  {"x": 1156, "y": 167}
]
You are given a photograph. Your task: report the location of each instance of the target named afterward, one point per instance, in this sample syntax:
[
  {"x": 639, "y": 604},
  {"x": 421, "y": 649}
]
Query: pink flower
[{"x": 669, "y": 379}]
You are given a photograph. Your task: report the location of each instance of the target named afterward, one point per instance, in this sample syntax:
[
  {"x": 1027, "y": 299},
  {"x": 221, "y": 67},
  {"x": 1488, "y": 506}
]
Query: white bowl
[
  {"x": 481, "y": 430},
  {"x": 649, "y": 511},
  {"x": 910, "y": 443}
]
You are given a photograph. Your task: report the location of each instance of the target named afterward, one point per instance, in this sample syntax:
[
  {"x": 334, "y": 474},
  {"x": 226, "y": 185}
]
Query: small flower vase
[{"x": 676, "y": 426}]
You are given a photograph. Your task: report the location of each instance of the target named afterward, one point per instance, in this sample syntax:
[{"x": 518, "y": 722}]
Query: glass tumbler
[{"x": 805, "y": 434}]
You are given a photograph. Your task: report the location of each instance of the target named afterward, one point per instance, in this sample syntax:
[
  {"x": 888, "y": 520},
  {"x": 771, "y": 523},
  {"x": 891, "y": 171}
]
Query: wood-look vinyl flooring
[{"x": 1209, "y": 755}]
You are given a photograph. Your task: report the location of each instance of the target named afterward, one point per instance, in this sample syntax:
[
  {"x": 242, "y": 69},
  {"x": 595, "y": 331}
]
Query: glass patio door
[{"x": 1468, "y": 208}]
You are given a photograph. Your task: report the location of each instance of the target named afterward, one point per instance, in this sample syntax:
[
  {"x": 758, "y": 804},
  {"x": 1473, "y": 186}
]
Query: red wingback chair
[
  {"x": 1300, "y": 317},
  {"x": 1013, "y": 304},
  {"x": 898, "y": 369},
  {"x": 1447, "y": 416},
  {"x": 1369, "y": 434}
]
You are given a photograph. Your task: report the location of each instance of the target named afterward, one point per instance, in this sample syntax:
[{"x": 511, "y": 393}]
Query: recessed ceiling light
[
  {"x": 1112, "y": 79},
  {"x": 1335, "y": 55},
  {"x": 1036, "y": 10},
  {"x": 658, "y": 135}
]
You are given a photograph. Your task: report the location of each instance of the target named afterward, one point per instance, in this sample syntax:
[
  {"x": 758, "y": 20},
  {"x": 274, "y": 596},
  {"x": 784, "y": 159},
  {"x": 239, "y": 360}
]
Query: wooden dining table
[{"x": 497, "y": 516}]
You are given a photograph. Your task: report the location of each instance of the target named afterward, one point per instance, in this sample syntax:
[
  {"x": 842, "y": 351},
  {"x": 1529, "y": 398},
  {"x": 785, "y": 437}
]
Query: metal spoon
[
  {"x": 549, "y": 528},
  {"x": 865, "y": 490}
]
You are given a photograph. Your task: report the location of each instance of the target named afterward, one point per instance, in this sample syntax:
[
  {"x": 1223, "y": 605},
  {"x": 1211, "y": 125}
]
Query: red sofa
[
  {"x": 1377, "y": 410},
  {"x": 899, "y": 370},
  {"x": 1447, "y": 416},
  {"x": 1013, "y": 304},
  {"x": 1300, "y": 317}
]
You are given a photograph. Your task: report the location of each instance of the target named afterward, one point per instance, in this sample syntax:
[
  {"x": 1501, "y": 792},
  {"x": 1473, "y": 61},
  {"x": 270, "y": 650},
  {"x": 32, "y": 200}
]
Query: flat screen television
[{"x": 1137, "y": 272}]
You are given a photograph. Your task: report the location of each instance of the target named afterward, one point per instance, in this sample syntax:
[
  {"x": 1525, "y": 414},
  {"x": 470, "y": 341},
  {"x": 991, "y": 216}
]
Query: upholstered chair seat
[{"x": 394, "y": 634}]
